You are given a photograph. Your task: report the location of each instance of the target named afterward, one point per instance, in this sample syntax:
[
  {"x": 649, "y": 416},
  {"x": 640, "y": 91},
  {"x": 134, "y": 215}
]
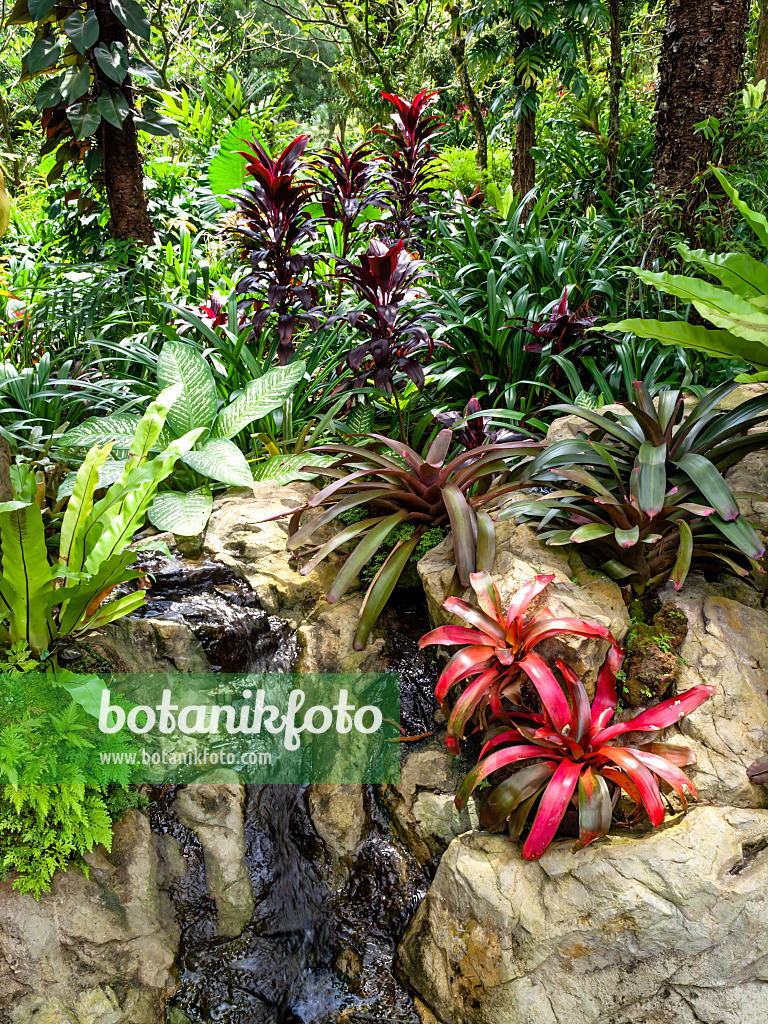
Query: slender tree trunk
[
  {"x": 123, "y": 171},
  {"x": 523, "y": 166},
  {"x": 616, "y": 82},
  {"x": 459, "y": 53},
  {"x": 699, "y": 70},
  {"x": 761, "y": 57}
]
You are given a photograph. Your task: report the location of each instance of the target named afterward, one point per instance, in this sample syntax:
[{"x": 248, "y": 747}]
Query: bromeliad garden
[{"x": 458, "y": 307}]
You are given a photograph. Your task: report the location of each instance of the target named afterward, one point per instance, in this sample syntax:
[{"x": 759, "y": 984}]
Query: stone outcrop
[
  {"x": 97, "y": 949},
  {"x": 238, "y": 536},
  {"x": 214, "y": 812},
  {"x": 576, "y": 591},
  {"x": 655, "y": 928},
  {"x": 727, "y": 647}
]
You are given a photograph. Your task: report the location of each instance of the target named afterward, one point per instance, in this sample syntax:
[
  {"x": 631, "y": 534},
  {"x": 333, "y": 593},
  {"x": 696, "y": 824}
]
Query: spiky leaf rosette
[
  {"x": 402, "y": 487},
  {"x": 497, "y": 652},
  {"x": 645, "y": 495},
  {"x": 567, "y": 756}
]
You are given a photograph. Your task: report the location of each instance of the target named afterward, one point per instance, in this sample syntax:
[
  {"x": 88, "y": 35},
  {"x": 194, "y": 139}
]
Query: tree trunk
[
  {"x": 523, "y": 167},
  {"x": 699, "y": 70},
  {"x": 123, "y": 171},
  {"x": 459, "y": 53},
  {"x": 616, "y": 82},
  {"x": 761, "y": 57}
]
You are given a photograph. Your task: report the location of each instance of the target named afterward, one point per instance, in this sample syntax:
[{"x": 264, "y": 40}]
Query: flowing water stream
[{"x": 321, "y": 944}]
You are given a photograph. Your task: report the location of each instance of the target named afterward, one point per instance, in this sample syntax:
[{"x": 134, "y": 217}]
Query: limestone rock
[
  {"x": 115, "y": 929},
  {"x": 663, "y": 926},
  {"x": 146, "y": 645},
  {"x": 421, "y": 805},
  {"x": 340, "y": 818},
  {"x": 726, "y": 647},
  {"x": 237, "y": 536},
  {"x": 214, "y": 812},
  {"x": 576, "y": 591},
  {"x": 748, "y": 479}
]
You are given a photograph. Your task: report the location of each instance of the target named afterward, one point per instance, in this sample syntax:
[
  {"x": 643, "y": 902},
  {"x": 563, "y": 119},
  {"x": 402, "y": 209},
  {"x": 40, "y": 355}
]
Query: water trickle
[
  {"x": 222, "y": 611},
  {"x": 321, "y": 944}
]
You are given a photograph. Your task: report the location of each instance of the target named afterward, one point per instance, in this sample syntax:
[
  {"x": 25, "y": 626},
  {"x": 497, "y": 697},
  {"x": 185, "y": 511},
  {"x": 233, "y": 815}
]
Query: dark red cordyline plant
[
  {"x": 564, "y": 328},
  {"x": 274, "y": 216},
  {"x": 394, "y": 317},
  {"x": 472, "y": 429},
  {"x": 348, "y": 186},
  {"x": 413, "y": 164},
  {"x": 573, "y": 760},
  {"x": 422, "y": 492},
  {"x": 498, "y": 650}
]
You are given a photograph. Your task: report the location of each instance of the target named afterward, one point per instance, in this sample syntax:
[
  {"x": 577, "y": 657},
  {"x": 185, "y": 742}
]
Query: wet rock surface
[
  {"x": 319, "y": 946},
  {"x": 643, "y": 927},
  {"x": 213, "y": 810},
  {"x": 198, "y": 617},
  {"x": 96, "y": 950},
  {"x": 237, "y": 536}
]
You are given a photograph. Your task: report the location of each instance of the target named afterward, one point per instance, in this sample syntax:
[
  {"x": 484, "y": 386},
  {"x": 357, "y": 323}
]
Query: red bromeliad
[
  {"x": 574, "y": 761},
  {"x": 498, "y": 651}
]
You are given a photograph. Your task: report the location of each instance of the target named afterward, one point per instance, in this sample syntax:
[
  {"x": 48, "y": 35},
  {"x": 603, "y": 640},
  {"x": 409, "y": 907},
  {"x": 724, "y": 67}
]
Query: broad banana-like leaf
[
  {"x": 181, "y": 364},
  {"x": 79, "y": 508},
  {"x": 756, "y": 220},
  {"x": 739, "y": 271},
  {"x": 718, "y": 344},
  {"x": 27, "y": 576},
  {"x": 260, "y": 397},
  {"x": 221, "y": 459},
  {"x": 723, "y": 308}
]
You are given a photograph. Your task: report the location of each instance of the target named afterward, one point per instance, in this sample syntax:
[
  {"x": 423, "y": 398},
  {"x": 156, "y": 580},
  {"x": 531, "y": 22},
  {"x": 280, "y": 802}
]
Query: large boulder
[
  {"x": 213, "y": 809},
  {"x": 148, "y": 645},
  {"x": 238, "y": 536},
  {"x": 664, "y": 927},
  {"x": 726, "y": 647},
  {"x": 576, "y": 591},
  {"x": 748, "y": 480},
  {"x": 97, "y": 949}
]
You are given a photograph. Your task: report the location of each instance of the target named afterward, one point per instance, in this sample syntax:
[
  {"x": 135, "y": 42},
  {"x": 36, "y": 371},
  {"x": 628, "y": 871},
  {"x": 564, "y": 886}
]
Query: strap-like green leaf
[
  {"x": 463, "y": 526},
  {"x": 28, "y": 574},
  {"x": 652, "y": 478},
  {"x": 756, "y": 220},
  {"x": 684, "y": 555},
  {"x": 79, "y": 508},
  {"x": 381, "y": 588},
  {"x": 706, "y": 478}
]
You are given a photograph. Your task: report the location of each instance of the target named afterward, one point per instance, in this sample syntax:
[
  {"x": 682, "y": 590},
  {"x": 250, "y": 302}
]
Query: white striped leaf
[
  {"x": 196, "y": 405},
  {"x": 182, "y": 514},
  {"x": 221, "y": 460}
]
